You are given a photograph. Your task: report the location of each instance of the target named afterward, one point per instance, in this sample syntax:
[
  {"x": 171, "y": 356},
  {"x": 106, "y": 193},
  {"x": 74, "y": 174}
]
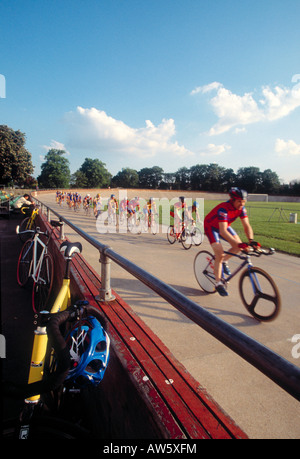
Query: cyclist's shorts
[{"x": 214, "y": 235}]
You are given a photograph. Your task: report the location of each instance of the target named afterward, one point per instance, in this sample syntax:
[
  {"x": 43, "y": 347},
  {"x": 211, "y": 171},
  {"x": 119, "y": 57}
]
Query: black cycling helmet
[{"x": 237, "y": 193}]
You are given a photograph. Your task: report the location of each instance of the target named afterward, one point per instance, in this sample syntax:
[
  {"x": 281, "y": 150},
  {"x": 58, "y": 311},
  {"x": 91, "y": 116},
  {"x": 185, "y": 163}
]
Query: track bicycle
[
  {"x": 185, "y": 235},
  {"x": 134, "y": 222},
  {"x": 28, "y": 223},
  {"x": 70, "y": 354},
  {"x": 87, "y": 208},
  {"x": 149, "y": 222},
  {"x": 35, "y": 262},
  {"x": 257, "y": 289}
]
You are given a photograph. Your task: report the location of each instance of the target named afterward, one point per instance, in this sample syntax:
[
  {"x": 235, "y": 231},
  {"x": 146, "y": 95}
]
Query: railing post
[
  {"x": 48, "y": 214},
  {"x": 62, "y": 230},
  {"x": 105, "y": 290}
]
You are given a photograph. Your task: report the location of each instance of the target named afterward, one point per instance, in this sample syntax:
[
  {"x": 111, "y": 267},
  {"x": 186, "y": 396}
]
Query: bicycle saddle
[
  {"x": 70, "y": 248},
  {"x": 56, "y": 223}
]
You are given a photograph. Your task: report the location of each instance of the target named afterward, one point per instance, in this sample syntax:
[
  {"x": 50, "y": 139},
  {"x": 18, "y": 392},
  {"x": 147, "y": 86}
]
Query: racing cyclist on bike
[{"x": 217, "y": 225}]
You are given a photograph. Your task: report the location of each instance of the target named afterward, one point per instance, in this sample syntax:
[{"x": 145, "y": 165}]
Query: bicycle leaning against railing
[
  {"x": 257, "y": 289},
  {"x": 35, "y": 262},
  {"x": 28, "y": 223},
  {"x": 70, "y": 353}
]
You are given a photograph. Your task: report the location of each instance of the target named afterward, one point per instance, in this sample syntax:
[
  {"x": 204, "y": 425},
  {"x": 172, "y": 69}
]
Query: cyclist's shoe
[
  {"x": 221, "y": 290},
  {"x": 226, "y": 269}
]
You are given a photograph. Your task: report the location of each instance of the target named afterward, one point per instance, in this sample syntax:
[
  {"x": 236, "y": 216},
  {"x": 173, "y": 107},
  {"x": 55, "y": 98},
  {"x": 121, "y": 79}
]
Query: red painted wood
[{"x": 184, "y": 408}]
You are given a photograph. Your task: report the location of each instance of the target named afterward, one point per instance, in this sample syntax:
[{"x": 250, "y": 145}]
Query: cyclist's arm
[{"x": 247, "y": 228}]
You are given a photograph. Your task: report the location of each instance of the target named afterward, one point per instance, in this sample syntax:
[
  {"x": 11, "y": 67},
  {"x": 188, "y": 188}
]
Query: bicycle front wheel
[
  {"x": 259, "y": 294},
  {"x": 42, "y": 288},
  {"x": 25, "y": 263},
  {"x": 204, "y": 271},
  {"x": 186, "y": 239},
  {"x": 171, "y": 235},
  {"x": 197, "y": 236}
]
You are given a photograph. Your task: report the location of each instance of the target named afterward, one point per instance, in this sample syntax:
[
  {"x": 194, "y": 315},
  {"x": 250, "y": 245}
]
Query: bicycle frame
[
  {"x": 31, "y": 218},
  {"x": 63, "y": 300},
  {"x": 37, "y": 264},
  {"x": 246, "y": 261}
]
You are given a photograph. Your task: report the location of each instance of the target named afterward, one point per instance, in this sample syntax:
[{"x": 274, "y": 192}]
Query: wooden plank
[
  {"x": 182, "y": 405},
  {"x": 199, "y": 415}
]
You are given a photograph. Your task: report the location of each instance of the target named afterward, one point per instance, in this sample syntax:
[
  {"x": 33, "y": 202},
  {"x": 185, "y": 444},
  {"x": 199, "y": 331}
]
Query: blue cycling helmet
[{"x": 89, "y": 350}]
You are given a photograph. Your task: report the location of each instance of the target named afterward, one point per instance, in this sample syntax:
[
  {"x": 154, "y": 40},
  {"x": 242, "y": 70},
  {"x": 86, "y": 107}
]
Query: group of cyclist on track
[{"x": 217, "y": 224}]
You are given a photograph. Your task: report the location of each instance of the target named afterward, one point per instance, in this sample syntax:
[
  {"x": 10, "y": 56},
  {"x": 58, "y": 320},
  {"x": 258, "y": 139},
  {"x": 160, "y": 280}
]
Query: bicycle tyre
[
  {"x": 204, "y": 271},
  {"x": 186, "y": 239},
  {"x": 42, "y": 288},
  {"x": 24, "y": 263},
  {"x": 197, "y": 237},
  {"x": 154, "y": 227},
  {"x": 259, "y": 303},
  {"x": 171, "y": 235},
  {"x": 26, "y": 224}
]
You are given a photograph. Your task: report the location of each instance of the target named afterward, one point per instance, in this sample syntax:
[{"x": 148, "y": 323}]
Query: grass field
[{"x": 270, "y": 223}]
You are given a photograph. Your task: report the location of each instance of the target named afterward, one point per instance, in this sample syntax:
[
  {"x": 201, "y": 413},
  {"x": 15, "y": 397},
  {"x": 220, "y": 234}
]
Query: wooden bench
[{"x": 164, "y": 399}]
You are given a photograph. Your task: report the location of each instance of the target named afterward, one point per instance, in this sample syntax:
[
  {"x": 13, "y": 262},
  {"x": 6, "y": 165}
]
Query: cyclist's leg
[
  {"x": 232, "y": 250},
  {"x": 219, "y": 258}
]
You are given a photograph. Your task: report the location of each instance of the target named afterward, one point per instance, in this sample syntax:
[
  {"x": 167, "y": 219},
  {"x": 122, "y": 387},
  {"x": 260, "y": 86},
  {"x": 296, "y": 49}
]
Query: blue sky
[{"x": 167, "y": 83}]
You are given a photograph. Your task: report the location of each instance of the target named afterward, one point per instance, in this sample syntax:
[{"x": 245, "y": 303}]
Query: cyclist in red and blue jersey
[{"x": 217, "y": 224}]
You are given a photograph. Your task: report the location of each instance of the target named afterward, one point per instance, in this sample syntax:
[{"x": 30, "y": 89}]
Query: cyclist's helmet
[
  {"x": 89, "y": 350},
  {"x": 237, "y": 193}
]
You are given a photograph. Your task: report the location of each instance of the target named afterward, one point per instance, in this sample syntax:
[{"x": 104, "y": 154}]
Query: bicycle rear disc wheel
[
  {"x": 204, "y": 271},
  {"x": 171, "y": 235},
  {"x": 259, "y": 294},
  {"x": 42, "y": 288},
  {"x": 25, "y": 263}
]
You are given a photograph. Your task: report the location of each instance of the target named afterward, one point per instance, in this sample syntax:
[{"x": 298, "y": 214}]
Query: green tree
[
  {"x": 78, "y": 180},
  {"x": 55, "y": 171},
  {"x": 250, "y": 179},
  {"x": 96, "y": 173},
  {"x": 15, "y": 161},
  {"x": 126, "y": 178},
  {"x": 150, "y": 177},
  {"x": 182, "y": 179},
  {"x": 270, "y": 182}
]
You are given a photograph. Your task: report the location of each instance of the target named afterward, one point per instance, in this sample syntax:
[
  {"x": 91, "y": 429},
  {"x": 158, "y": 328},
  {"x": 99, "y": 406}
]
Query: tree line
[{"x": 16, "y": 168}]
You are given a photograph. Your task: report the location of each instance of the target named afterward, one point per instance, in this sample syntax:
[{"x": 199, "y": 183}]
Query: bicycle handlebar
[
  {"x": 53, "y": 322},
  {"x": 35, "y": 230},
  {"x": 257, "y": 252}
]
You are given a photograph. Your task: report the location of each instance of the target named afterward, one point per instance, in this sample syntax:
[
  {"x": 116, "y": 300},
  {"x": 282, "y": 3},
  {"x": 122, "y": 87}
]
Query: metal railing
[{"x": 279, "y": 370}]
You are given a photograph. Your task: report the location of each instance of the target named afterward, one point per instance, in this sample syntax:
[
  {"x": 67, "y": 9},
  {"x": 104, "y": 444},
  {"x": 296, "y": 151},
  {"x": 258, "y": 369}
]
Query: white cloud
[
  {"x": 54, "y": 144},
  {"x": 214, "y": 150},
  {"x": 93, "y": 129},
  {"x": 235, "y": 111},
  {"x": 287, "y": 148}
]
